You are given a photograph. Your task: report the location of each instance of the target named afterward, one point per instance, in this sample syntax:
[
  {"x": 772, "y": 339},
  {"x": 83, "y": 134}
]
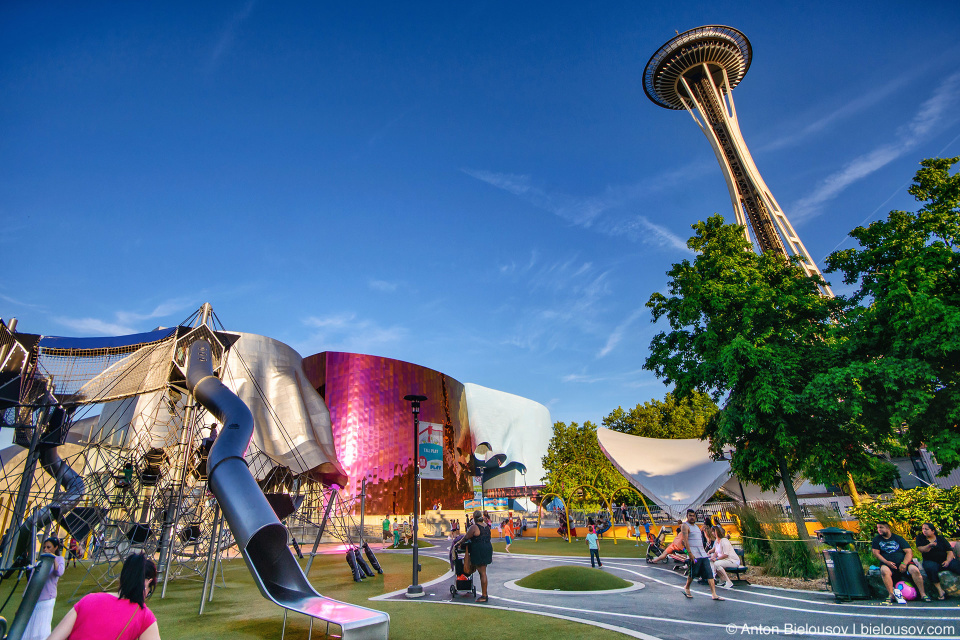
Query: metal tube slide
[
  {"x": 24, "y": 546},
  {"x": 260, "y": 536},
  {"x": 31, "y": 596}
]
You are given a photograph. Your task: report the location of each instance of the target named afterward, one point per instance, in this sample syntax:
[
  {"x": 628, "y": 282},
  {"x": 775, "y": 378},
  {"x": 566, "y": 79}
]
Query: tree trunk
[{"x": 794, "y": 503}]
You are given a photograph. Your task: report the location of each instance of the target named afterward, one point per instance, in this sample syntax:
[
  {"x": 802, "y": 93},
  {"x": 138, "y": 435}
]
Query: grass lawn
[
  {"x": 421, "y": 544},
  {"x": 572, "y": 579},
  {"x": 560, "y": 547},
  {"x": 239, "y": 612}
]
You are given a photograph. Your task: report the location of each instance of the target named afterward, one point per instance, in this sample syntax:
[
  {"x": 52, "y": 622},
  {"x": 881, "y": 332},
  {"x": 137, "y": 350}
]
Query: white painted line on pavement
[{"x": 731, "y": 628}]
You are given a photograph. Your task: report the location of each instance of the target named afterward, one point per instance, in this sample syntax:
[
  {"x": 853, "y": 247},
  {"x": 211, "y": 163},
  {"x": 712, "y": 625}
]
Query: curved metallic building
[{"x": 373, "y": 428}]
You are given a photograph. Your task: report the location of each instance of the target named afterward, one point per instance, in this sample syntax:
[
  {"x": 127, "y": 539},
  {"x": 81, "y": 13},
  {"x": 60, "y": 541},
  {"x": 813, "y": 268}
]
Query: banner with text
[{"x": 430, "y": 452}]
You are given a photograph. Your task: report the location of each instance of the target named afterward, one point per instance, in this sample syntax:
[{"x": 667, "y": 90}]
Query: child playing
[
  {"x": 507, "y": 529},
  {"x": 593, "y": 543}
]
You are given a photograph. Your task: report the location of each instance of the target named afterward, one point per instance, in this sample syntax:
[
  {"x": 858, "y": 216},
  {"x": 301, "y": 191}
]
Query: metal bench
[{"x": 738, "y": 571}]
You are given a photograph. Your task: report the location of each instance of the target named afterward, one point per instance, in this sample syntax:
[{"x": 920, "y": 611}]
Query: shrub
[
  {"x": 826, "y": 516},
  {"x": 909, "y": 509},
  {"x": 793, "y": 558},
  {"x": 767, "y": 544},
  {"x": 751, "y": 531}
]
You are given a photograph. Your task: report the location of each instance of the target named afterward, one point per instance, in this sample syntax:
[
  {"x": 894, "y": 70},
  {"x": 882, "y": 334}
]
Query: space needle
[{"x": 697, "y": 71}]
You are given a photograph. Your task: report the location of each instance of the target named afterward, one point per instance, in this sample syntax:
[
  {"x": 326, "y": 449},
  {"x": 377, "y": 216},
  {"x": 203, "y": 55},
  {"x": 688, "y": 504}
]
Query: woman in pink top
[{"x": 109, "y": 616}]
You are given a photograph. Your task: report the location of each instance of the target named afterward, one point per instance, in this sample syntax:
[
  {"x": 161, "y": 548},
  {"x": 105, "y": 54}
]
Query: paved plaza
[{"x": 659, "y": 610}]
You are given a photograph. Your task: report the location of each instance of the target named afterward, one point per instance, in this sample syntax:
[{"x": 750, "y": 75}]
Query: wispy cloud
[
  {"x": 513, "y": 266},
  {"x": 162, "y": 310},
  {"x": 229, "y": 34},
  {"x": 19, "y": 303},
  {"x": 382, "y": 285},
  {"x": 382, "y": 131},
  {"x": 932, "y": 113},
  {"x": 571, "y": 294},
  {"x": 853, "y": 107},
  {"x": 640, "y": 229},
  {"x": 579, "y": 211},
  {"x": 582, "y": 377},
  {"x": 347, "y": 332},
  {"x": 627, "y": 378},
  {"x": 599, "y": 212},
  {"x": 617, "y": 334},
  {"x": 95, "y": 326},
  {"x": 126, "y": 322}
]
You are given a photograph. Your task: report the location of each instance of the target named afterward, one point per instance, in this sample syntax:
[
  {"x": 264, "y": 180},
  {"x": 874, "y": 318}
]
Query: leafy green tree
[
  {"x": 753, "y": 331},
  {"x": 574, "y": 458},
  {"x": 899, "y": 370},
  {"x": 667, "y": 418},
  {"x": 879, "y": 477}
]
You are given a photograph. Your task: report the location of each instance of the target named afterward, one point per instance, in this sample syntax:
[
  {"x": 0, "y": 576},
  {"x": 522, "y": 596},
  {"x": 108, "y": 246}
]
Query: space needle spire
[{"x": 697, "y": 70}]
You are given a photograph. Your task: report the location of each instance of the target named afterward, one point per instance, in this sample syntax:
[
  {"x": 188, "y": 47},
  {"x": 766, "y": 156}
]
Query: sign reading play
[{"x": 430, "y": 454}]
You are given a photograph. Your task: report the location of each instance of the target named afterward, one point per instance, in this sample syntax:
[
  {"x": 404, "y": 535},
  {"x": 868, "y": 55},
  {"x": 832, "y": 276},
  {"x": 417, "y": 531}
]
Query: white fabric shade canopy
[{"x": 676, "y": 474}]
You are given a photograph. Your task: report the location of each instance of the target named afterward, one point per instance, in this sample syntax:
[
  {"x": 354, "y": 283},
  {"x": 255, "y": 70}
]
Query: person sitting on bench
[{"x": 723, "y": 556}]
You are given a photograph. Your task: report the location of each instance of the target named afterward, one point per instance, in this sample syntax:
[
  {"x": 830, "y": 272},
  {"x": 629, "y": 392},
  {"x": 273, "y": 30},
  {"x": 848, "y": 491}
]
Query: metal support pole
[
  {"x": 23, "y": 492},
  {"x": 363, "y": 502},
  {"x": 218, "y": 561},
  {"x": 415, "y": 590},
  {"x": 323, "y": 524},
  {"x": 173, "y": 512},
  {"x": 211, "y": 558}
]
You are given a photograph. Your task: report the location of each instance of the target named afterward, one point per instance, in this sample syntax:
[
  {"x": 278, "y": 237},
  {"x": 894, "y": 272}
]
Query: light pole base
[{"x": 415, "y": 591}]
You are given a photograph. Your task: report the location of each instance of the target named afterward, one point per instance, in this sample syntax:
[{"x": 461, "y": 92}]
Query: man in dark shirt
[{"x": 895, "y": 556}]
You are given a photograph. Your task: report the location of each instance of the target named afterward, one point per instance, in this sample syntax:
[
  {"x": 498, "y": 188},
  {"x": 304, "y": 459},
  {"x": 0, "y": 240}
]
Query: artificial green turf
[
  {"x": 239, "y": 612},
  {"x": 572, "y": 579},
  {"x": 560, "y": 547}
]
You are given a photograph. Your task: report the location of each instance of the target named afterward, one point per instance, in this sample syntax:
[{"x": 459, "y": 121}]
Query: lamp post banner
[{"x": 430, "y": 454}]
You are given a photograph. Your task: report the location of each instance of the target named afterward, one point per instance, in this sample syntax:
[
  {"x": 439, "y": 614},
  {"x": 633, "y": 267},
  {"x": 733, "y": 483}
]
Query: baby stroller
[
  {"x": 461, "y": 581},
  {"x": 655, "y": 544}
]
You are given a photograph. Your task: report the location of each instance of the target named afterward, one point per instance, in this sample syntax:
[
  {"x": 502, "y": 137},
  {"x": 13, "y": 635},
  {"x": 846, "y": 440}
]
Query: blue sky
[{"x": 482, "y": 189}]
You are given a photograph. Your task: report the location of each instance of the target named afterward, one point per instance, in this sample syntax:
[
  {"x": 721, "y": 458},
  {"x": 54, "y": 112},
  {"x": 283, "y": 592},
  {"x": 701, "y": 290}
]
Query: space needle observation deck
[{"x": 697, "y": 71}]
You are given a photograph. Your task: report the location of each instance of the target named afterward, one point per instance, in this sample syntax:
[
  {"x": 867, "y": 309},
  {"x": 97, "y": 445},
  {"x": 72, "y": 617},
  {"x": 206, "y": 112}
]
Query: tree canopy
[
  {"x": 574, "y": 458},
  {"x": 753, "y": 331},
  {"x": 898, "y": 367},
  {"x": 667, "y": 418}
]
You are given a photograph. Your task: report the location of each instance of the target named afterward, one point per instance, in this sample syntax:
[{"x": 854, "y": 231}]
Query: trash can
[
  {"x": 845, "y": 573},
  {"x": 834, "y": 536},
  {"x": 844, "y": 569}
]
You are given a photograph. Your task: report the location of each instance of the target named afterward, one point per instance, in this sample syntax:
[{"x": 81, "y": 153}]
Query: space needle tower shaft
[{"x": 697, "y": 71}]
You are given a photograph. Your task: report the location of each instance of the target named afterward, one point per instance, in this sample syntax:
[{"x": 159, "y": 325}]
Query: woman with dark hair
[
  {"x": 115, "y": 616},
  {"x": 937, "y": 556},
  {"x": 38, "y": 628},
  {"x": 481, "y": 550}
]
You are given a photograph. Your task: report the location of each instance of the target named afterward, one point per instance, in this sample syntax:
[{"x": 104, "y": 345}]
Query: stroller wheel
[{"x": 453, "y": 591}]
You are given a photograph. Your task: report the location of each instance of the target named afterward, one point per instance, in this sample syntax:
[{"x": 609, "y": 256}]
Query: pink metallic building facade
[{"x": 373, "y": 427}]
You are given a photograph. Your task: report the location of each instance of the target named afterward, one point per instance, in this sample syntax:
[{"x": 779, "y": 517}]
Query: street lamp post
[{"x": 415, "y": 590}]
